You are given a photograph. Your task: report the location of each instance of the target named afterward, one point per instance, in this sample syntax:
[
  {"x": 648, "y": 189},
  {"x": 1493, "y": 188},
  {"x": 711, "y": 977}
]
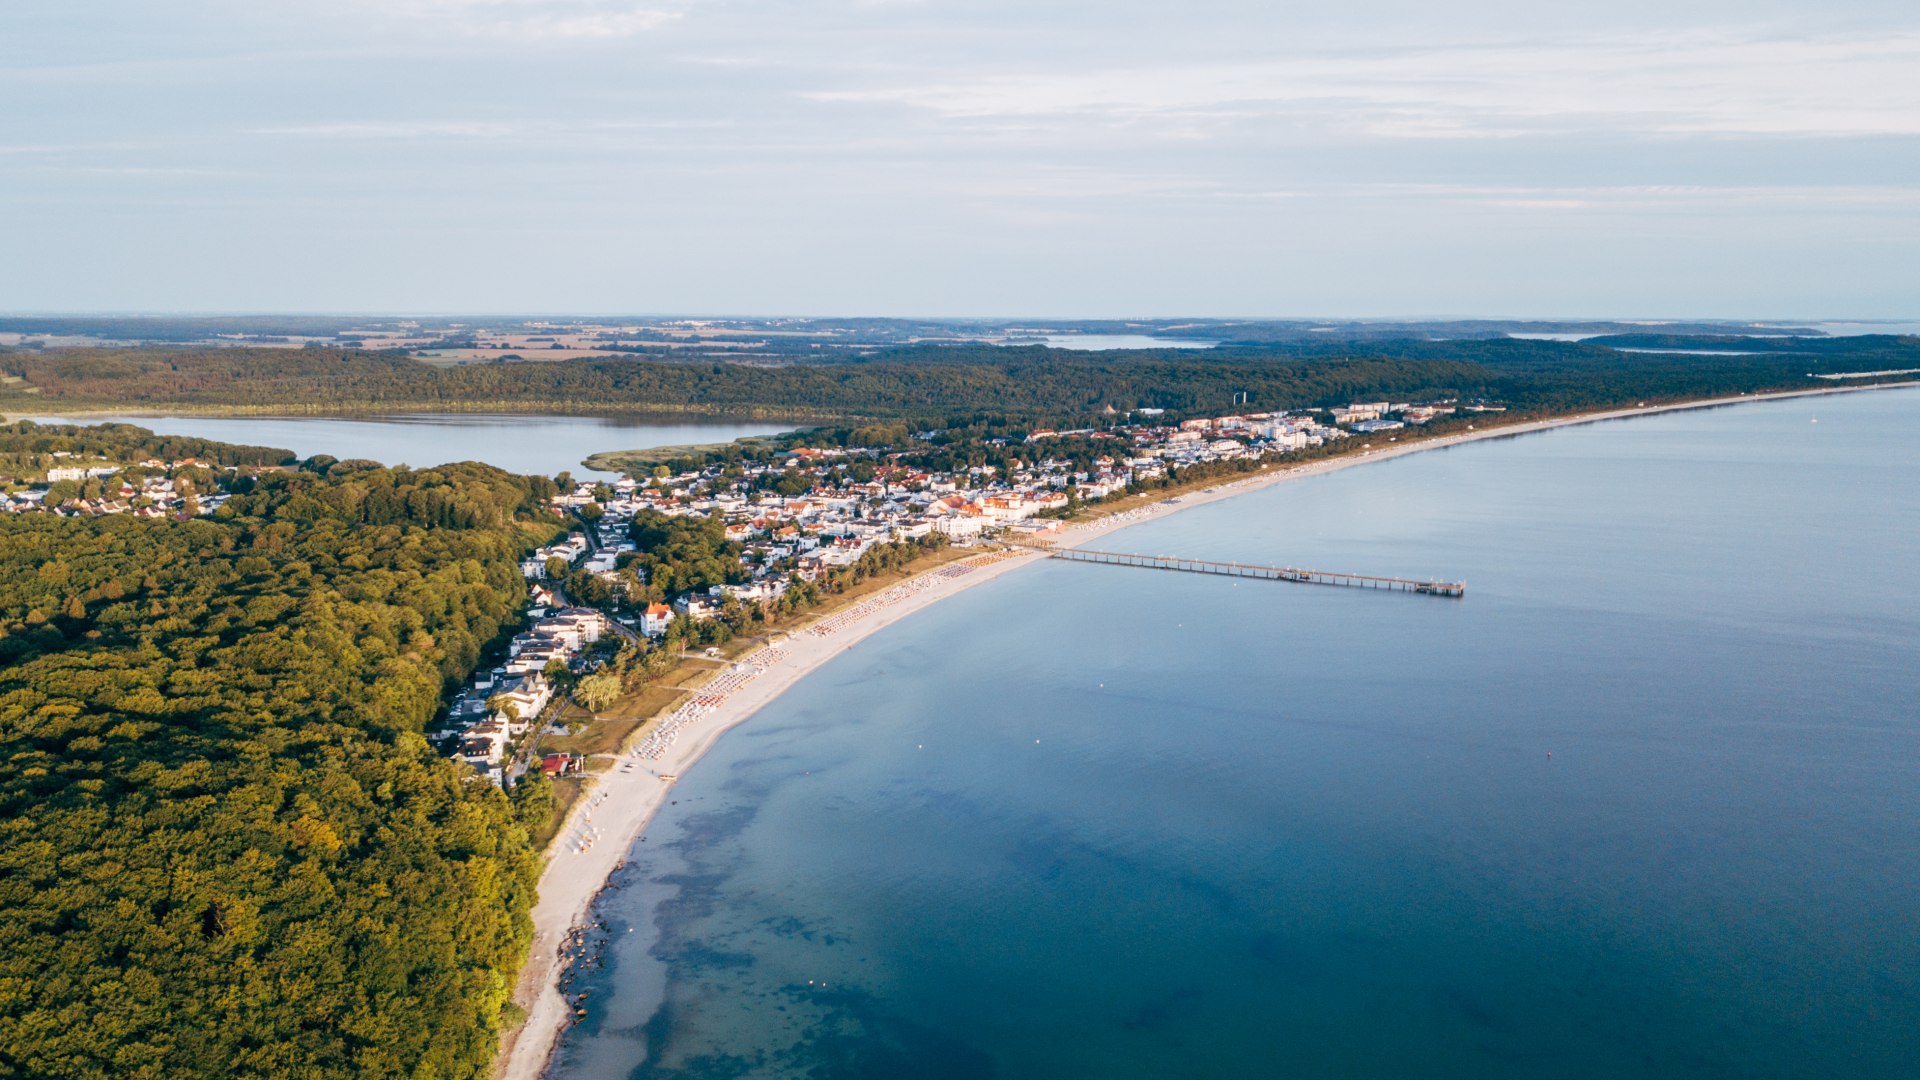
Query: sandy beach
[{"x": 606, "y": 823}]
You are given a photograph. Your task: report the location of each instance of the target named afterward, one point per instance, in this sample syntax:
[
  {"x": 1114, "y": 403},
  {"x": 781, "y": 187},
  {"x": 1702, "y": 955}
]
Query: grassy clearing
[
  {"x": 629, "y": 461},
  {"x": 567, "y": 790},
  {"x": 610, "y": 731}
]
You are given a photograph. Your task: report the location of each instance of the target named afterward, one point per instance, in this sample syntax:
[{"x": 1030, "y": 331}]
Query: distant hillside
[{"x": 937, "y": 380}]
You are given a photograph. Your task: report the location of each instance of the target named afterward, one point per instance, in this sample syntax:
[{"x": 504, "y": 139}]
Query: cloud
[
  {"x": 1718, "y": 84},
  {"x": 398, "y": 129},
  {"x": 533, "y": 19},
  {"x": 1653, "y": 197},
  {"x": 469, "y": 130}
]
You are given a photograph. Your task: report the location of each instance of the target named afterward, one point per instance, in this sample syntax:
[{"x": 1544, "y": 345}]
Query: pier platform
[{"x": 1453, "y": 589}]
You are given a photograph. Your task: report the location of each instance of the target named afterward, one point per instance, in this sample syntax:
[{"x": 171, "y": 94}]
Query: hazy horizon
[
  {"x": 509, "y": 314},
  {"x": 912, "y": 156}
]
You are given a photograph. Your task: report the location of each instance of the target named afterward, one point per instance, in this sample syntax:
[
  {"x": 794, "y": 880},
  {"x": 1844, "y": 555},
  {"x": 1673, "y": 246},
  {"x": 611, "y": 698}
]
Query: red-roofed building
[{"x": 654, "y": 620}]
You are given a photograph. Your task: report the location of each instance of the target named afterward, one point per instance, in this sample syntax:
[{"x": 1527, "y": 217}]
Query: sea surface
[
  {"x": 516, "y": 442},
  {"x": 1646, "y": 802}
]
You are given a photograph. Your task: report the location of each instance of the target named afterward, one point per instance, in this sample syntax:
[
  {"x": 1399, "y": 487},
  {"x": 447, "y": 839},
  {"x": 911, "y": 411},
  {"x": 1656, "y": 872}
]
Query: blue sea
[{"x": 1646, "y": 802}]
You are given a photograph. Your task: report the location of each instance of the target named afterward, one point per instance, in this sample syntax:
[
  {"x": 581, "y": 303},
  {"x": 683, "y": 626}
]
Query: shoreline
[
  {"x": 578, "y": 870},
  {"x": 64, "y": 410}
]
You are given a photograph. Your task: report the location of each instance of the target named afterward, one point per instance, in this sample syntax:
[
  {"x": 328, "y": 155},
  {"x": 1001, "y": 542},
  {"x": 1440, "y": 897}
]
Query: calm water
[
  {"x": 1876, "y": 326},
  {"x": 1645, "y": 803},
  {"x": 1834, "y": 329},
  {"x": 538, "y": 445},
  {"x": 1098, "y": 342}
]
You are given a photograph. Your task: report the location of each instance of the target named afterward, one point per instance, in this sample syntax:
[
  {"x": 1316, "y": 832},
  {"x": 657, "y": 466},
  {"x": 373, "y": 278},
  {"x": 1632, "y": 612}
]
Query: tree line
[{"x": 933, "y": 384}]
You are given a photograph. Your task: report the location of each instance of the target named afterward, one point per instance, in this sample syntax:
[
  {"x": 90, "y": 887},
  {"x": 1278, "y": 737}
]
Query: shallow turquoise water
[{"x": 1646, "y": 802}]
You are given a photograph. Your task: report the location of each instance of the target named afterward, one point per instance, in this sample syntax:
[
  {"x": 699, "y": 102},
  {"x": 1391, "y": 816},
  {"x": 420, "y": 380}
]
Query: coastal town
[
  {"x": 759, "y": 537},
  {"x": 825, "y": 522},
  {"x": 787, "y": 522},
  {"x": 783, "y": 524},
  {"x": 72, "y": 485}
]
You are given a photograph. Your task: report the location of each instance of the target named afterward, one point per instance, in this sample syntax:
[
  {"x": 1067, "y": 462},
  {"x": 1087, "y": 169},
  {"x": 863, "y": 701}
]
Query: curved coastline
[{"x": 623, "y": 803}]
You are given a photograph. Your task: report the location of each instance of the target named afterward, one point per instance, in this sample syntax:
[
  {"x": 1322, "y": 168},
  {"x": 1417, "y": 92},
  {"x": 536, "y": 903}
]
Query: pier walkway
[{"x": 1247, "y": 570}]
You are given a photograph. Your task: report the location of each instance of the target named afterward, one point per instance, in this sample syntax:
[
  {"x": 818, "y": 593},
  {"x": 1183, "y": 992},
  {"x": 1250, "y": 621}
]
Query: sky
[{"x": 1097, "y": 158}]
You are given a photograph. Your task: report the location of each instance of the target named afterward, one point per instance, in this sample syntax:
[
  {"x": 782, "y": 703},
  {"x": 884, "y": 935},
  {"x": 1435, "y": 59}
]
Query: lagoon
[
  {"x": 1642, "y": 804},
  {"x": 1101, "y": 342},
  {"x": 516, "y": 442}
]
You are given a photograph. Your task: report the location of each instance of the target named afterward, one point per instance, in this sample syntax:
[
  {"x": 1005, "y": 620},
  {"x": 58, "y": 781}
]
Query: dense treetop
[{"x": 225, "y": 847}]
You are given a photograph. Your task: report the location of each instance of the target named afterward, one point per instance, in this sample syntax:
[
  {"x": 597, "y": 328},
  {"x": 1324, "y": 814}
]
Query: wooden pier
[{"x": 1454, "y": 589}]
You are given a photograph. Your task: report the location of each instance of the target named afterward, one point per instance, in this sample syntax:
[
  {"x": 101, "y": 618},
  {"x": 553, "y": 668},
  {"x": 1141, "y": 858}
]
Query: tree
[
  {"x": 533, "y": 801},
  {"x": 505, "y": 706},
  {"x": 598, "y": 690}
]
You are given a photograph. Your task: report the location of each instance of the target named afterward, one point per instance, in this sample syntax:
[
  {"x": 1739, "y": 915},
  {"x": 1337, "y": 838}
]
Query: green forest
[
  {"x": 226, "y": 849},
  {"x": 934, "y": 381},
  {"x": 28, "y": 450}
]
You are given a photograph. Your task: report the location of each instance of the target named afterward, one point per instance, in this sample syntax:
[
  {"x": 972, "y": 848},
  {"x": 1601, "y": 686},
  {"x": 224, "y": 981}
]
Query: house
[
  {"x": 485, "y": 744},
  {"x": 527, "y": 695},
  {"x": 56, "y": 475},
  {"x": 1360, "y": 411},
  {"x": 655, "y": 619},
  {"x": 588, "y": 623},
  {"x": 696, "y": 607},
  {"x": 533, "y": 658},
  {"x": 970, "y": 521}
]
